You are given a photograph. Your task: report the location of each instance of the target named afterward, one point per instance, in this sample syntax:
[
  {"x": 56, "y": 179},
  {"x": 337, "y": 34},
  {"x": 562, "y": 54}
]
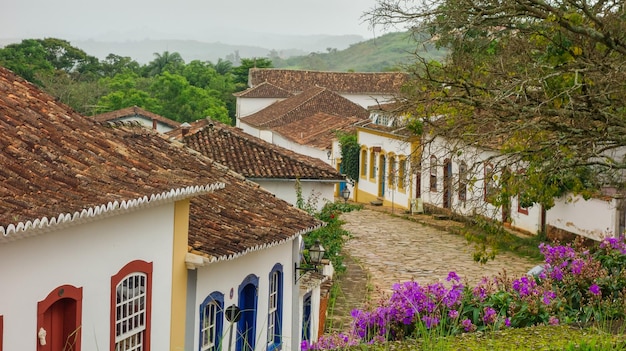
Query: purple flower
[
  {"x": 467, "y": 325},
  {"x": 430, "y": 321},
  {"x": 490, "y": 315},
  {"x": 453, "y": 276},
  {"x": 548, "y": 296},
  {"x": 557, "y": 274},
  {"x": 594, "y": 289},
  {"x": 507, "y": 322},
  {"x": 453, "y": 314},
  {"x": 305, "y": 346},
  {"x": 577, "y": 266}
]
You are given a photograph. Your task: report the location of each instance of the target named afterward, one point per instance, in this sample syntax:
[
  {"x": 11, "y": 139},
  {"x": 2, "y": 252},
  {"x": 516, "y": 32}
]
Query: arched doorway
[
  {"x": 246, "y": 327},
  {"x": 59, "y": 319}
]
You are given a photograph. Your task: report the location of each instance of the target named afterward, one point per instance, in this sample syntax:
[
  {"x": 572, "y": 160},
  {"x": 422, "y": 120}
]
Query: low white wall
[{"x": 594, "y": 218}]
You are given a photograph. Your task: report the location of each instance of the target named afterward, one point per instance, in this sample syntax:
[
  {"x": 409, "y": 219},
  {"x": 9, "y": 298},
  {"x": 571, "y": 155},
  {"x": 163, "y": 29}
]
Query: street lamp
[
  {"x": 316, "y": 253},
  {"x": 345, "y": 194}
]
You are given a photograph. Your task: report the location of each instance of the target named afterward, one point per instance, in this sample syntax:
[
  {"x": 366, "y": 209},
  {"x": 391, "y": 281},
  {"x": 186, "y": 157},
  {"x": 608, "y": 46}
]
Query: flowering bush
[{"x": 577, "y": 284}]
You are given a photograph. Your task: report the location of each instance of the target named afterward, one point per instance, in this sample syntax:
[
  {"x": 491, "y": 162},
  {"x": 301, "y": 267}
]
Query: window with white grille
[{"x": 130, "y": 313}]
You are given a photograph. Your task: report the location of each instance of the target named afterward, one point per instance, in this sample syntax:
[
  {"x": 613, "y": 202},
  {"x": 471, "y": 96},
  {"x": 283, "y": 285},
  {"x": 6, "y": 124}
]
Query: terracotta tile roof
[
  {"x": 340, "y": 82},
  {"x": 318, "y": 130},
  {"x": 264, "y": 90},
  {"x": 253, "y": 157},
  {"x": 242, "y": 218},
  {"x": 60, "y": 167},
  {"x": 305, "y": 104},
  {"x": 134, "y": 112}
]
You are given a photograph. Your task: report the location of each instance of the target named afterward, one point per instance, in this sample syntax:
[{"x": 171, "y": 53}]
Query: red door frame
[{"x": 70, "y": 317}]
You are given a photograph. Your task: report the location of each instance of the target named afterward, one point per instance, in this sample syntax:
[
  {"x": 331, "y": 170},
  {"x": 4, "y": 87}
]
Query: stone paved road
[{"x": 391, "y": 249}]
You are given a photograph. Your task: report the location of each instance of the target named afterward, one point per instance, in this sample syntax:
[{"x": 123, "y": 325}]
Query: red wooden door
[{"x": 59, "y": 320}]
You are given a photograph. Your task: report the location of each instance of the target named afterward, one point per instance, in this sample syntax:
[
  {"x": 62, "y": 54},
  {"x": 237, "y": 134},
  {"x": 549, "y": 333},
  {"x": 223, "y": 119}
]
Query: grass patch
[{"x": 519, "y": 339}]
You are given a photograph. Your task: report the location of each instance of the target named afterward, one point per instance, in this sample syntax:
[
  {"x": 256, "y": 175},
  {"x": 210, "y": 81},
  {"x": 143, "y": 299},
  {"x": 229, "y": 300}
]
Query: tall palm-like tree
[{"x": 165, "y": 62}]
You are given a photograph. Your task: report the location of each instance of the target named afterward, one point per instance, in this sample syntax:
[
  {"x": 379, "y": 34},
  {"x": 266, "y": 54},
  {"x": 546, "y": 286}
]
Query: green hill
[{"x": 389, "y": 52}]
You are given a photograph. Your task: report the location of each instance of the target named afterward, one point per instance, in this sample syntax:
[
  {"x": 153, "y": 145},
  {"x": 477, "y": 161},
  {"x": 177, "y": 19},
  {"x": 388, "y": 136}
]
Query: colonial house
[
  {"x": 268, "y": 85},
  {"x": 303, "y": 105},
  {"x": 389, "y": 160},
  {"x": 138, "y": 115},
  {"x": 462, "y": 179},
  {"x": 116, "y": 238},
  {"x": 276, "y": 169},
  {"x": 256, "y": 98}
]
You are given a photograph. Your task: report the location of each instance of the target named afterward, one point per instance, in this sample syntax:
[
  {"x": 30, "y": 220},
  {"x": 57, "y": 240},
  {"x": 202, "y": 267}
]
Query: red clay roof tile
[
  {"x": 253, "y": 157},
  {"x": 305, "y": 104},
  {"x": 341, "y": 82}
]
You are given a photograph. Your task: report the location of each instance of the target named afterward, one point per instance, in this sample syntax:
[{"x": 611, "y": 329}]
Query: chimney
[
  {"x": 154, "y": 124},
  {"x": 184, "y": 128}
]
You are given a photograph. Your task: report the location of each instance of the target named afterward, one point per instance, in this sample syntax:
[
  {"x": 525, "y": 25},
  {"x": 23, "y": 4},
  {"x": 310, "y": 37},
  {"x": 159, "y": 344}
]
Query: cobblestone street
[{"x": 386, "y": 249}]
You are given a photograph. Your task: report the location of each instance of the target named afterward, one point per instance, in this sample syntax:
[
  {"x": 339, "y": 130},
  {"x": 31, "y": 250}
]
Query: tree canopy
[
  {"x": 167, "y": 85},
  {"x": 544, "y": 80}
]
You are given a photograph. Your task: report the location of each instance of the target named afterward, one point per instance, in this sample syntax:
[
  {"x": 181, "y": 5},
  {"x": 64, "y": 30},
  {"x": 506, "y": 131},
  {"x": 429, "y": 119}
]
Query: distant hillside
[
  {"x": 388, "y": 52},
  {"x": 143, "y": 51}
]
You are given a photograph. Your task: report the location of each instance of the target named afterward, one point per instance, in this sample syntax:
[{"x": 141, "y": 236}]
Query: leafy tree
[
  {"x": 542, "y": 81},
  {"x": 185, "y": 103},
  {"x": 126, "y": 91},
  {"x": 26, "y": 59},
  {"x": 241, "y": 72},
  {"x": 114, "y": 64},
  {"x": 81, "y": 95},
  {"x": 63, "y": 56}
]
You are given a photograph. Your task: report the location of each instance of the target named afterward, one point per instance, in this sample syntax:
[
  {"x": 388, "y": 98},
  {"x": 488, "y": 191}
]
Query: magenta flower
[
  {"x": 553, "y": 320},
  {"x": 453, "y": 314},
  {"x": 594, "y": 289}
]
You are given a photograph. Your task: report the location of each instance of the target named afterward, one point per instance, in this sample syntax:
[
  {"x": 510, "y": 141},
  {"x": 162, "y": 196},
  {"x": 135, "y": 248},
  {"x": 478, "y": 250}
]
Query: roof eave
[
  {"x": 195, "y": 261},
  {"x": 45, "y": 224}
]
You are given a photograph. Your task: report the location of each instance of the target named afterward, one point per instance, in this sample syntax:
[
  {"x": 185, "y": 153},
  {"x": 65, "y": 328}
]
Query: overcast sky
[{"x": 180, "y": 19}]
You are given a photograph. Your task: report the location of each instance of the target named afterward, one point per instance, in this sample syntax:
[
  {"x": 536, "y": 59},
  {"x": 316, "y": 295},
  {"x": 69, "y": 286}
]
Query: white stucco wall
[
  {"x": 319, "y": 192},
  {"x": 86, "y": 256},
  {"x": 530, "y": 222},
  {"x": 307, "y": 150},
  {"x": 248, "y": 106},
  {"x": 366, "y": 100},
  {"x": 228, "y": 275},
  {"x": 594, "y": 218},
  {"x": 248, "y": 128}
]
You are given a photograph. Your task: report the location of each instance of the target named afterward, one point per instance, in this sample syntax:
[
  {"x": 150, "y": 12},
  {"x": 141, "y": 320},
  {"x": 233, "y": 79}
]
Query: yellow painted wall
[{"x": 179, "y": 275}]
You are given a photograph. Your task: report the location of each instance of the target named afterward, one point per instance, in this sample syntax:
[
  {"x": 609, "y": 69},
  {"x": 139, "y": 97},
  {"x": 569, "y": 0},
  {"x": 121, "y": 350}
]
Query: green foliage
[
  {"x": 125, "y": 92},
  {"x": 240, "y": 72},
  {"x": 331, "y": 236},
  {"x": 26, "y": 59},
  {"x": 350, "y": 154}
]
